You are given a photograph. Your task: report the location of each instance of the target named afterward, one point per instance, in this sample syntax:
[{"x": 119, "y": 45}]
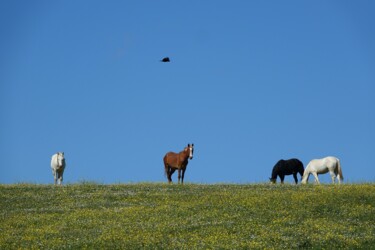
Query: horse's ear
[
  {"x": 188, "y": 144},
  {"x": 192, "y": 145}
]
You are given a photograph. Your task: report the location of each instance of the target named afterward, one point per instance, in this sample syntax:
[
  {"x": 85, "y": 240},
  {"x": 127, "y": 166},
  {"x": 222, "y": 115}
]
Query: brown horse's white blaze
[{"x": 178, "y": 161}]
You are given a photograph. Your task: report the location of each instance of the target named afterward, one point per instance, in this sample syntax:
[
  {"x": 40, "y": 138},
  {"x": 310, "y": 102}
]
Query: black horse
[{"x": 287, "y": 167}]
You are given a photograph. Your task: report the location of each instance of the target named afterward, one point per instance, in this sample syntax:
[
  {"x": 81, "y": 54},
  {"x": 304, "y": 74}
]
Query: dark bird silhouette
[{"x": 165, "y": 59}]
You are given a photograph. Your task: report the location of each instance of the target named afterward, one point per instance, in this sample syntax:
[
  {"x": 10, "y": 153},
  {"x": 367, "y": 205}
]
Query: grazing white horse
[
  {"x": 321, "y": 166},
  {"x": 58, "y": 166}
]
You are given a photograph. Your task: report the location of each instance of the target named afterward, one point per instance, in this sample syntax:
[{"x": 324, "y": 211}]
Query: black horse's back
[{"x": 295, "y": 164}]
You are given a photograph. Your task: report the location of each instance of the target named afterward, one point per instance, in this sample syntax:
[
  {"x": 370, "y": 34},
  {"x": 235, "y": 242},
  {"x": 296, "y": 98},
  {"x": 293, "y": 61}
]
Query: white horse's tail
[{"x": 339, "y": 170}]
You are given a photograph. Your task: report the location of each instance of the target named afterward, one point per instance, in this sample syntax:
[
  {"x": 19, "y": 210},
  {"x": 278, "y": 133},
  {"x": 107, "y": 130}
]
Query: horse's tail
[
  {"x": 339, "y": 170},
  {"x": 165, "y": 166},
  {"x": 300, "y": 168}
]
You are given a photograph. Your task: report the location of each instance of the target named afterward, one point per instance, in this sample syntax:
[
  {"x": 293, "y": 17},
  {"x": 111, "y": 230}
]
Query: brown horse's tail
[
  {"x": 339, "y": 170},
  {"x": 165, "y": 166}
]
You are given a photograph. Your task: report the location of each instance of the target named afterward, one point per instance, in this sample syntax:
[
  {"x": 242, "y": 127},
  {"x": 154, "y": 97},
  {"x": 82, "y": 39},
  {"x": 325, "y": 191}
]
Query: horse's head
[
  {"x": 305, "y": 179},
  {"x": 60, "y": 159},
  {"x": 306, "y": 175},
  {"x": 190, "y": 149},
  {"x": 273, "y": 180}
]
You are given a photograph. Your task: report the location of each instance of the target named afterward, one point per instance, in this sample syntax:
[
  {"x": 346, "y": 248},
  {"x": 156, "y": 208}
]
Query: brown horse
[{"x": 173, "y": 161}]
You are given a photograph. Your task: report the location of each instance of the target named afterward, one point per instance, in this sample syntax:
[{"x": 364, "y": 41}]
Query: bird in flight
[{"x": 165, "y": 59}]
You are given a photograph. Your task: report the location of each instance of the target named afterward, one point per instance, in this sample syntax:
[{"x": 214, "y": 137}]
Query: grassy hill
[{"x": 193, "y": 216}]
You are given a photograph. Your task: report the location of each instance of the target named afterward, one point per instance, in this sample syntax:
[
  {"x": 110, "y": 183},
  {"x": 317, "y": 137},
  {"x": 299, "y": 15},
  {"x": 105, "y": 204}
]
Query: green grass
[{"x": 193, "y": 216}]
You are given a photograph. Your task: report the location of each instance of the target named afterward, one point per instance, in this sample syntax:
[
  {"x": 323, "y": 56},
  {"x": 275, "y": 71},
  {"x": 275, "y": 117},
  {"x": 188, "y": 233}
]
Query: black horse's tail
[{"x": 301, "y": 168}]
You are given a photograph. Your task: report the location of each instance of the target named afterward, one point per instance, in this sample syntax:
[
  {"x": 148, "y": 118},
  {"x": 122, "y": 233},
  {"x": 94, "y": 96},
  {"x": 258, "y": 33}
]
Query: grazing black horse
[{"x": 287, "y": 167}]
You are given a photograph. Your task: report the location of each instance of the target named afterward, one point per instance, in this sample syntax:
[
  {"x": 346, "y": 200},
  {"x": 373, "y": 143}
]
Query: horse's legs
[
  {"x": 282, "y": 178},
  {"x": 58, "y": 178},
  {"x": 54, "y": 176},
  {"x": 183, "y": 175},
  {"x": 316, "y": 178},
  {"x": 61, "y": 178},
  {"x": 333, "y": 175},
  {"x": 179, "y": 175},
  {"x": 295, "y": 178},
  {"x": 170, "y": 172}
]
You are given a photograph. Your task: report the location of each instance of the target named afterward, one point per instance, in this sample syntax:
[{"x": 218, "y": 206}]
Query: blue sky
[{"x": 249, "y": 83}]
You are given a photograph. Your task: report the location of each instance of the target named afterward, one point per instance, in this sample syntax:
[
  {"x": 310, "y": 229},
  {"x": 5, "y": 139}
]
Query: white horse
[
  {"x": 58, "y": 166},
  {"x": 321, "y": 166}
]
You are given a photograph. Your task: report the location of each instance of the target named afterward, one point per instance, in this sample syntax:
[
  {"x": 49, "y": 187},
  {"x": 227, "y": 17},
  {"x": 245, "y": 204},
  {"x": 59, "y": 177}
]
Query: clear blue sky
[{"x": 249, "y": 83}]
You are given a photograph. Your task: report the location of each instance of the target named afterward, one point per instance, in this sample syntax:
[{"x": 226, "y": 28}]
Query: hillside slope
[{"x": 161, "y": 216}]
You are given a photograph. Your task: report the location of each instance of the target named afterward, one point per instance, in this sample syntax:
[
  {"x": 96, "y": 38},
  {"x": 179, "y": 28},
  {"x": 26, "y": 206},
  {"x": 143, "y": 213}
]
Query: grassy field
[{"x": 193, "y": 216}]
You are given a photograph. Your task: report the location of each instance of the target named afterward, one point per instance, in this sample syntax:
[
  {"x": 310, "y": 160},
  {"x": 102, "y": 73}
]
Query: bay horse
[
  {"x": 174, "y": 161},
  {"x": 287, "y": 167},
  {"x": 58, "y": 166},
  {"x": 321, "y": 166}
]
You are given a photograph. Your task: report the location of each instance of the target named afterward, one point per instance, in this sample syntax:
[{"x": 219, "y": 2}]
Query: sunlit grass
[{"x": 193, "y": 216}]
